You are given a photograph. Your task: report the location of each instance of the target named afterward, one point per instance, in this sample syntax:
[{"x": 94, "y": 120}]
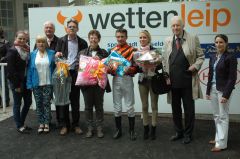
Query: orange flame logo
[{"x": 61, "y": 19}]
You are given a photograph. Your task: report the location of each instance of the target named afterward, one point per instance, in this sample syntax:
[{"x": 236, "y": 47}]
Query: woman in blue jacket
[
  {"x": 221, "y": 81},
  {"x": 39, "y": 75}
]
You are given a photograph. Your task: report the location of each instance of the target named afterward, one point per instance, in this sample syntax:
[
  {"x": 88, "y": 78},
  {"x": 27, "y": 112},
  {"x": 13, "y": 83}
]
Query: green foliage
[{"x": 130, "y": 1}]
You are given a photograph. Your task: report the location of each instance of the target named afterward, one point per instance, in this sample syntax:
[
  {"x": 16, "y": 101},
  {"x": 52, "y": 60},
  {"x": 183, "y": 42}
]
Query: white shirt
[{"x": 42, "y": 65}]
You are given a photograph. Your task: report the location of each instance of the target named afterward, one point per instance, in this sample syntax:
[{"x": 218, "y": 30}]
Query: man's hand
[
  {"x": 192, "y": 69},
  {"x": 96, "y": 58},
  {"x": 18, "y": 90},
  {"x": 223, "y": 100},
  {"x": 208, "y": 97},
  {"x": 58, "y": 54}
]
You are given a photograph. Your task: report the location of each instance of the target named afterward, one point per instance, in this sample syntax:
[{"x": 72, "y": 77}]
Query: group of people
[{"x": 182, "y": 59}]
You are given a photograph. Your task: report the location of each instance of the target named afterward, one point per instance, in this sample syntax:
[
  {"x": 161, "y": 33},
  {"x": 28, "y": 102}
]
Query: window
[
  {"x": 25, "y": 11},
  {"x": 6, "y": 18},
  {"x": 28, "y": 5}
]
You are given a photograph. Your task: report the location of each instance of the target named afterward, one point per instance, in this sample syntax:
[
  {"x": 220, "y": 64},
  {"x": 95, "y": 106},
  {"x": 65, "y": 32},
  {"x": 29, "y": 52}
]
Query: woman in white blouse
[{"x": 39, "y": 75}]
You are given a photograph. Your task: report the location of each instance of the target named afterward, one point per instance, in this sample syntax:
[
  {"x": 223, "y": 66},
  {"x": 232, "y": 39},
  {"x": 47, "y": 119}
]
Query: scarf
[
  {"x": 23, "y": 50},
  {"x": 145, "y": 48}
]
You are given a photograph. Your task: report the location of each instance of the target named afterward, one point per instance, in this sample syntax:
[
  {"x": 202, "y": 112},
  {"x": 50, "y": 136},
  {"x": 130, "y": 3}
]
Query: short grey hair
[
  {"x": 49, "y": 22},
  {"x": 178, "y": 18}
]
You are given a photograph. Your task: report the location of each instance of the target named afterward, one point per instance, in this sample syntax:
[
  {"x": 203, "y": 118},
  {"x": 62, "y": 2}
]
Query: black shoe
[
  {"x": 146, "y": 132},
  {"x": 177, "y": 136},
  {"x": 153, "y": 132},
  {"x": 22, "y": 130},
  {"x": 117, "y": 134},
  {"x": 186, "y": 140},
  {"x": 133, "y": 135},
  {"x": 118, "y": 122},
  {"x": 28, "y": 128}
]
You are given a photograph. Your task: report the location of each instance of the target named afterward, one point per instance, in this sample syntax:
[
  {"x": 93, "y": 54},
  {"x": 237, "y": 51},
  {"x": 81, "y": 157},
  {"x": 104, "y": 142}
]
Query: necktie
[
  {"x": 178, "y": 45},
  {"x": 49, "y": 42}
]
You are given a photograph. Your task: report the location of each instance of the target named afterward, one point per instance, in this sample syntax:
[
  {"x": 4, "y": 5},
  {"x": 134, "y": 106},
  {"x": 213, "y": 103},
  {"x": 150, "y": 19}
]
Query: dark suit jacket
[
  {"x": 62, "y": 46},
  {"x": 226, "y": 73}
]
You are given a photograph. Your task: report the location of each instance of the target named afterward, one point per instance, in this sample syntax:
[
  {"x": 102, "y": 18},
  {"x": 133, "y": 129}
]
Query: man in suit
[
  {"x": 69, "y": 47},
  {"x": 183, "y": 58},
  {"x": 52, "y": 39}
]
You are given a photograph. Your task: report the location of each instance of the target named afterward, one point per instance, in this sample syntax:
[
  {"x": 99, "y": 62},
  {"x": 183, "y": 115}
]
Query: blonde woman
[
  {"x": 145, "y": 89},
  {"x": 39, "y": 75}
]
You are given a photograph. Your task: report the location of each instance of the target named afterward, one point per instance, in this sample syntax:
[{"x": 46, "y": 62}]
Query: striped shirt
[{"x": 127, "y": 52}]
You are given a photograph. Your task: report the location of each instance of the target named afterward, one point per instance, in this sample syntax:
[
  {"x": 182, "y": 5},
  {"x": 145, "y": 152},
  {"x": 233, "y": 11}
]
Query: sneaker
[
  {"x": 100, "y": 132},
  {"x": 89, "y": 133}
]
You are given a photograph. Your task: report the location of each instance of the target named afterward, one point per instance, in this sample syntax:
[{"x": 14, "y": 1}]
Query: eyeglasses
[
  {"x": 120, "y": 36},
  {"x": 72, "y": 27}
]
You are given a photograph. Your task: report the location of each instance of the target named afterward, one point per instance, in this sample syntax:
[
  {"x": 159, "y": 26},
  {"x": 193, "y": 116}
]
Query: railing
[{"x": 3, "y": 86}]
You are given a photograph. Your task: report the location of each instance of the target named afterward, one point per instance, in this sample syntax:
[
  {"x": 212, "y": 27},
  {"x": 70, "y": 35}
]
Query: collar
[
  {"x": 182, "y": 37},
  {"x": 96, "y": 49},
  {"x": 75, "y": 38},
  {"x": 50, "y": 39},
  {"x": 121, "y": 46}
]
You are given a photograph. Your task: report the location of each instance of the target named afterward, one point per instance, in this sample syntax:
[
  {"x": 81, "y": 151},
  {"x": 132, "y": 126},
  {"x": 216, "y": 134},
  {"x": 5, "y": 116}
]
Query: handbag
[{"x": 159, "y": 83}]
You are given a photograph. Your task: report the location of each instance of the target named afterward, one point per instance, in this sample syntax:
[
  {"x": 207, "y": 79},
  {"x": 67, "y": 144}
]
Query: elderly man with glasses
[{"x": 69, "y": 47}]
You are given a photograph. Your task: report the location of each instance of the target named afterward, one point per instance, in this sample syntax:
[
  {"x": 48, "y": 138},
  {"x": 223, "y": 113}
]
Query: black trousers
[
  {"x": 93, "y": 97},
  {"x": 63, "y": 115},
  {"x": 74, "y": 99},
  {"x": 184, "y": 95}
]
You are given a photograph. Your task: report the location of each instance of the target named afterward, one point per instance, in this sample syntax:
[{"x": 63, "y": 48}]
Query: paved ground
[{"x": 52, "y": 146}]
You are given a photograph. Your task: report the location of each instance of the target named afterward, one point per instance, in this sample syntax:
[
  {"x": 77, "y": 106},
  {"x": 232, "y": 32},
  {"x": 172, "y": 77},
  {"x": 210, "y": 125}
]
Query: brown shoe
[
  {"x": 212, "y": 142},
  {"x": 100, "y": 132},
  {"x": 63, "y": 131},
  {"x": 216, "y": 149},
  {"x": 78, "y": 131},
  {"x": 89, "y": 133}
]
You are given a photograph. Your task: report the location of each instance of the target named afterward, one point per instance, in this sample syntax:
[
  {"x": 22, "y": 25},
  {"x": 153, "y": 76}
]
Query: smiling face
[
  {"x": 143, "y": 39},
  {"x": 121, "y": 38},
  {"x": 21, "y": 38},
  {"x": 49, "y": 30},
  {"x": 177, "y": 26},
  {"x": 220, "y": 44},
  {"x": 93, "y": 40},
  {"x": 41, "y": 45}
]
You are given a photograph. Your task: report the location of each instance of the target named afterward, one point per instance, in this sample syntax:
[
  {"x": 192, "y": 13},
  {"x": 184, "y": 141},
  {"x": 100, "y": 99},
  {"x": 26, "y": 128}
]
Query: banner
[{"x": 206, "y": 19}]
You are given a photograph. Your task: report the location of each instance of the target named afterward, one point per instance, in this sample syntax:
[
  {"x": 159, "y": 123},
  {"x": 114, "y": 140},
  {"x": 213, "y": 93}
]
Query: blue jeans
[{"x": 19, "y": 113}]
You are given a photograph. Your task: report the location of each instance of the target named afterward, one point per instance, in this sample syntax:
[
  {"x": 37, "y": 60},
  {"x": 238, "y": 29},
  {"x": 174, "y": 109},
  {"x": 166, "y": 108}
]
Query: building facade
[{"x": 14, "y": 13}]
